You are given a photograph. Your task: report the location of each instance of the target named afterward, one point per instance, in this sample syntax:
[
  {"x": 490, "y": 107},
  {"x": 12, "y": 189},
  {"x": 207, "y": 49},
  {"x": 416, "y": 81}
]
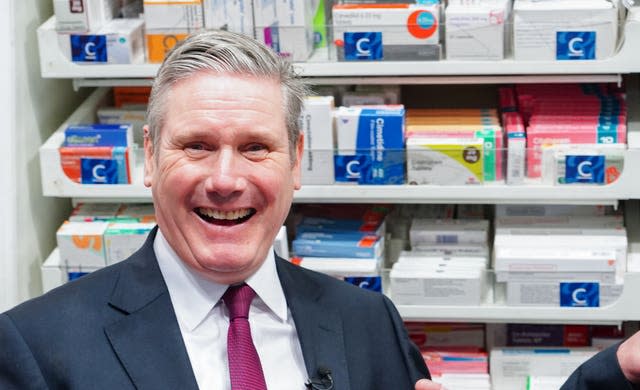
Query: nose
[{"x": 227, "y": 175}]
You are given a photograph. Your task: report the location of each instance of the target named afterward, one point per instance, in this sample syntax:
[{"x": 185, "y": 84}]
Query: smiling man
[{"x": 205, "y": 303}]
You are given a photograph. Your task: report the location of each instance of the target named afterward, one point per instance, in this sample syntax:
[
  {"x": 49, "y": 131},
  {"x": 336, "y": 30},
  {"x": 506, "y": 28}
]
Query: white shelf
[
  {"x": 54, "y": 64},
  {"x": 624, "y": 309},
  {"x": 55, "y": 182}
]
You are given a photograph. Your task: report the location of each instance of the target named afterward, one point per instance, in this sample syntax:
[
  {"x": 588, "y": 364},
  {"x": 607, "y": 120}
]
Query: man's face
[{"x": 223, "y": 180}]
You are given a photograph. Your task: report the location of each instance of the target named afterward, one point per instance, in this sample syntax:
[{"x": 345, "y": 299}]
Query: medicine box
[
  {"x": 370, "y": 145},
  {"x": 98, "y": 135},
  {"x": 445, "y": 161},
  {"x": 97, "y": 164},
  {"x": 230, "y": 15},
  {"x": 55, "y": 273},
  {"x": 87, "y": 212},
  {"x": 373, "y": 225},
  {"x": 579, "y": 294},
  {"x": 79, "y": 16},
  {"x": 138, "y": 212},
  {"x": 136, "y": 116},
  {"x": 448, "y": 231},
  {"x": 295, "y": 25},
  {"x": 564, "y": 30},
  {"x": 446, "y": 335},
  {"x": 119, "y": 41},
  {"x": 477, "y": 30},
  {"x": 340, "y": 266},
  {"x": 354, "y": 245},
  {"x": 81, "y": 243},
  {"x": 281, "y": 243},
  {"x": 316, "y": 123},
  {"x": 122, "y": 239},
  {"x": 374, "y": 32},
  {"x": 160, "y": 42},
  {"x": 173, "y": 15}
]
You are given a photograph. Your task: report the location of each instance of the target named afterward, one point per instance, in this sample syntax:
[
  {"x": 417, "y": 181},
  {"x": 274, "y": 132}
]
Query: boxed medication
[
  {"x": 445, "y": 161},
  {"x": 98, "y": 135},
  {"x": 122, "y": 239},
  {"x": 340, "y": 266},
  {"x": 160, "y": 42},
  {"x": 55, "y": 273},
  {"x": 446, "y": 335},
  {"x": 524, "y": 259},
  {"x": 370, "y": 145},
  {"x": 510, "y": 367},
  {"x": 516, "y": 147},
  {"x": 281, "y": 243},
  {"x": 136, "y": 116},
  {"x": 451, "y": 250},
  {"x": 230, "y": 15},
  {"x": 371, "y": 224},
  {"x": 130, "y": 97},
  {"x": 138, "y": 212},
  {"x": 576, "y": 294},
  {"x": 119, "y": 41},
  {"x": 173, "y": 15},
  {"x": 347, "y": 244},
  {"x": 88, "y": 212},
  {"x": 393, "y": 32},
  {"x": 598, "y": 164},
  {"x": 537, "y": 335},
  {"x": 81, "y": 243},
  {"x": 477, "y": 30},
  {"x": 96, "y": 164},
  {"x": 316, "y": 123},
  {"x": 511, "y": 210},
  {"x": 564, "y": 30},
  {"x": 448, "y": 231},
  {"x": 83, "y": 15}
]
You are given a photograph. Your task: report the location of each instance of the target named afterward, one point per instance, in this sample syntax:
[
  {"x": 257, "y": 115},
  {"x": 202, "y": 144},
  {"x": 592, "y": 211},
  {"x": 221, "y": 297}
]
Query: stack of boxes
[{"x": 447, "y": 264}]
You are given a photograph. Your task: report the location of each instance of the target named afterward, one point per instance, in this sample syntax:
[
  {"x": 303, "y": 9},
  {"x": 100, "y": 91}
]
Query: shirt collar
[{"x": 194, "y": 296}]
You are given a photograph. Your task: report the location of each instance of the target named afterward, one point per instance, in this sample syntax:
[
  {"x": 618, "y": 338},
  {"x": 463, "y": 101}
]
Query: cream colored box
[
  {"x": 83, "y": 15},
  {"x": 81, "y": 244},
  {"x": 122, "y": 239},
  {"x": 316, "y": 123},
  {"x": 231, "y": 15},
  {"x": 173, "y": 15}
]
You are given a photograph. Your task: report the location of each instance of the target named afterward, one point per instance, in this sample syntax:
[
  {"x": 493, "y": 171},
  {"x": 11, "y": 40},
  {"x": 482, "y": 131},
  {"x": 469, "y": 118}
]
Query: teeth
[{"x": 228, "y": 215}]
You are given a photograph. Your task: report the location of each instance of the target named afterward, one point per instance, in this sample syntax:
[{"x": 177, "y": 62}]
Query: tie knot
[{"x": 238, "y": 299}]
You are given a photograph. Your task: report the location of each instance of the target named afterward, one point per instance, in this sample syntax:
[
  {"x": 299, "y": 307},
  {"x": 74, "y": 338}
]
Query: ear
[
  {"x": 297, "y": 167},
  {"x": 149, "y": 158}
]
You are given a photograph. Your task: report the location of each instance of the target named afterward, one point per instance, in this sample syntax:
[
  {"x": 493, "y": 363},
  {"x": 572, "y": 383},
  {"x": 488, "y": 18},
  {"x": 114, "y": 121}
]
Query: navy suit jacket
[
  {"x": 116, "y": 329},
  {"x": 601, "y": 372}
]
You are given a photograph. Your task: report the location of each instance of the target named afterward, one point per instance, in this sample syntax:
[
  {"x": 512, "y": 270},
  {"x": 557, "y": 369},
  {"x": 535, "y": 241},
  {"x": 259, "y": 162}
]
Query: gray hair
[{"x": 231, "y": 53}]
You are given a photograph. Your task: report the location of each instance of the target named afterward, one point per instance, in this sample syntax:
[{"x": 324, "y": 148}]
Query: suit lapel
[
  {"x": 319, "y": 325},
  {"x": 147, "y": 339}
]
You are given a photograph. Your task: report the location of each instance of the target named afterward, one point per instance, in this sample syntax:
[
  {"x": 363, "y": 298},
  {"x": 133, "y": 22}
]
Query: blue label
[
  {"x": 99, "y": 171},
  {"x": 97, "y": 135},
  {"x": 88, "y": 48},
  {"x": 351, "y": 168},
  {"x": 373, "y": 283},
  {"x": 362, "y": 46},
  {"x": 584, "y": 169},
  {"x": 576, "y": 45},
  {"x": 75, "y": 275},
  {"x": 579, "y": 294}
]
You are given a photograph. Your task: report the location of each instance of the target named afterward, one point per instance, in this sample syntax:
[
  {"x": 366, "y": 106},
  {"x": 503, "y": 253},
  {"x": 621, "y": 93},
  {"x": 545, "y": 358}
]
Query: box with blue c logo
[
  {"x": 584, "y": 294},
  {"x": 88, "y": 48},
  {"x": 576, "y": 45},
  {"x": 584, "y": 169},
  {"x": 359, "y": 46}
]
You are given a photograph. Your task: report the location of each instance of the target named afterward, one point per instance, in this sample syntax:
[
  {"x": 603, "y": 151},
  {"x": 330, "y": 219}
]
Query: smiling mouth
[{"x": 225, "y": 218}]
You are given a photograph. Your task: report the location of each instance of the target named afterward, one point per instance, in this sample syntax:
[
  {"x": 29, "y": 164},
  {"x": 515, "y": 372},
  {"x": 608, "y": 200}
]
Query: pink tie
[{"x": 245, "y": 369}]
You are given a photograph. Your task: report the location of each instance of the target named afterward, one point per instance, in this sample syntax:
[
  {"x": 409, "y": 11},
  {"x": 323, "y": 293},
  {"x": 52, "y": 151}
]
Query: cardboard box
[
  {"x": 477, "y": 30},
  {"x": 79, "y": 16},
  {"x": 387, "y": 32},
  {"x": 160, "y": 42},
  {"x": 564, "y": 30},
  {"x": 81, "y": 244},
  {"x": 316, "y": 123},
  {"x": 448, "y": 231},
  {"x": 370, "y": 145},
  {"x": 119, "y": 41},
  {"x": 88, "y": 212},
  {"x": 354, "y": 245},
  {"x": 122, "y": 239},
  {"x": 575, "y": 294},
  {"x": 136, "y": 116},
  {"x": 445, "y": 161},
  {"x": 96, "y": 165},
  {"x": 55, "y": 273},
  {"x": 173, "y": 15},
  {"x": 230, "y": 15},
  {"x": 99, "y": 135}
]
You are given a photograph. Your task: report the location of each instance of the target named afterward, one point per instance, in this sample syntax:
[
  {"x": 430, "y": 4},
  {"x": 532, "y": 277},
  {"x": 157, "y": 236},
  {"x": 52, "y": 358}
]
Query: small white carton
[
  {"x": 476, "y": 30},
  {"x": 173, "y": 15},
  {"x": 316, "y": 123},
  {"x": 81, "y": 244},
  {"x": 445, "y": 161},
  {"x": 231, "y": 15},
  {"x": 83, "y": 15},
  {"x": 564, "y": 30},
  {"x": 448, "y": 231},
  {"x": 55, "y": 273},
  {"x": 122, "y": 239}
]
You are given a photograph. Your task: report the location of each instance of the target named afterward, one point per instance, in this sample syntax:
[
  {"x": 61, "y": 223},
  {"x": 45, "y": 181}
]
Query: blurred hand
[
  {"x": 426, "y": 384},
  {"x": 628, "y": 357}
]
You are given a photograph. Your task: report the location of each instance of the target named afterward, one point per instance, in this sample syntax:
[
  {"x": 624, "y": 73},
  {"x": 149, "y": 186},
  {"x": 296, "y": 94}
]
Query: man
[{"x": 222, "y": 158}]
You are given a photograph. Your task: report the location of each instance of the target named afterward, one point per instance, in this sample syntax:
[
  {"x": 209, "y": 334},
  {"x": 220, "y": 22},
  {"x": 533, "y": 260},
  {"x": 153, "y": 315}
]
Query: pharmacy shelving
[
  {"x": 319, "y": 68},
  {"x": 55, "y": 183}
]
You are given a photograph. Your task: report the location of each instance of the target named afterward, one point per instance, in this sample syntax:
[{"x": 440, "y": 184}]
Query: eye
[
  {"x": 255, "y": 150},
  {"x": 195, "y": 146}
]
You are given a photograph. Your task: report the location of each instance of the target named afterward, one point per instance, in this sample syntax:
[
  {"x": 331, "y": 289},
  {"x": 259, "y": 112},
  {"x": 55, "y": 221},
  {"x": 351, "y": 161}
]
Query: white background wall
[{"x": 31, "y": 108}]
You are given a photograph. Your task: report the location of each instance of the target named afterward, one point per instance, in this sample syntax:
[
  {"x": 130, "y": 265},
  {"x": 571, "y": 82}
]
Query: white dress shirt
[{"x": 204, "y": 320}]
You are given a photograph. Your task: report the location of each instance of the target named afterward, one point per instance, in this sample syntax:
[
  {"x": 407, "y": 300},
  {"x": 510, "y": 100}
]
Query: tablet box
[
  {"x": 122, "y": 239},
  {"x": 174, "y": 14},
  {"x": 564, "y": 30},
  {"x": 136, "y": 116},
  {"x": 138, "y": 212},
  {"x": 370, "y": 145},
  {"x": 445, "y": 161},
  {"x": 88, "y": 212},
  {"x": 160, "y": 42},
  {"x": 476, "y": 30},
  {"x": 316, "y": 123},
  {"x": 55, "y": 273},
  {"x": 444, "y": 231},
  {"x": 81, "y": 243},
  {"x": 98, "y": 135},
  {"x": 96, "y": 164},
  {"x": 230, "y": 15},
  {"x": 83, "y": 15},
  {"x": 398, "y": 32},
  {"x": 355, "y": 245},
  {"x": 575, "y": 294},
  {"x": 119, "y": 41}
]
